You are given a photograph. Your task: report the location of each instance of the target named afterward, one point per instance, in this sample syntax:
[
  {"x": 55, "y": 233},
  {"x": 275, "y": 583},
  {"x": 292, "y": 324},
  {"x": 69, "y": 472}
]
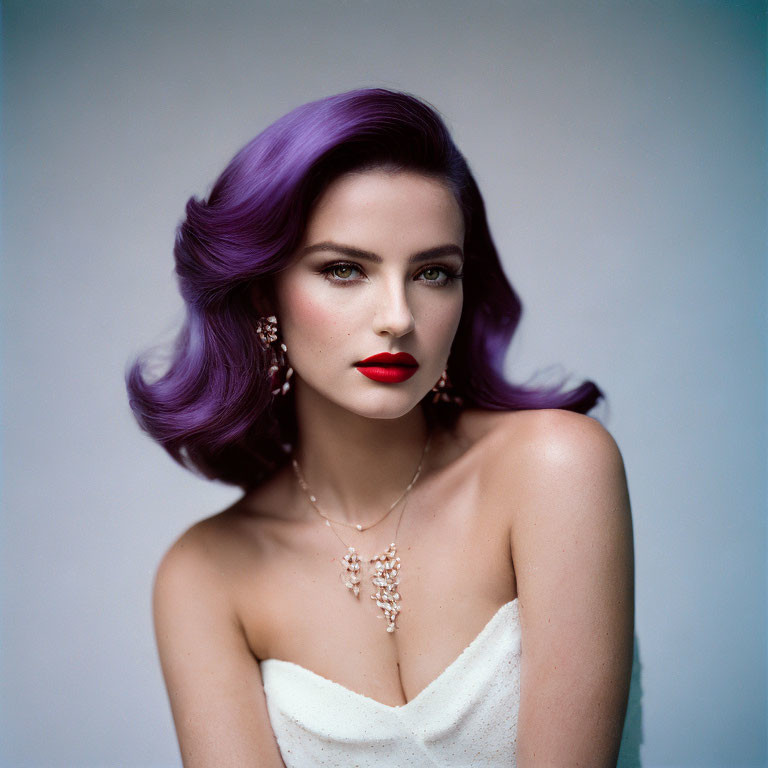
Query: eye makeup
[{"x": 451, "y": 275}]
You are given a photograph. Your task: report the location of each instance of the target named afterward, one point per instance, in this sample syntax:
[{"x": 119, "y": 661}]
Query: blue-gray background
[{"x": 620, "y": 147}]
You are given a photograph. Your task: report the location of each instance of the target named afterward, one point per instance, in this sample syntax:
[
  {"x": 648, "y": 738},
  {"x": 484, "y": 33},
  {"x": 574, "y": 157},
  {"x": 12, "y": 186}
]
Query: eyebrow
[{"x": 357, "y": 253}]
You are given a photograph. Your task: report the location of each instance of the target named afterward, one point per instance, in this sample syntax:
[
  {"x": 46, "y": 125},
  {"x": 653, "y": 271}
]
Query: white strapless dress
[{"x": 467, "y": 716}]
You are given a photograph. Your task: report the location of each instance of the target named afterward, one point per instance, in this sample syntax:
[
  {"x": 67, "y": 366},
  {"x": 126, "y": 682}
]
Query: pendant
[
  {"x": 385, "y": 577},
  {"x": 352, "y": 566}
]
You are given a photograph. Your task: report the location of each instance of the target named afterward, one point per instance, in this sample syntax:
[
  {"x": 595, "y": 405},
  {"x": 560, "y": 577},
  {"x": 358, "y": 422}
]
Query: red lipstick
[{"x": 388, "y": 368}]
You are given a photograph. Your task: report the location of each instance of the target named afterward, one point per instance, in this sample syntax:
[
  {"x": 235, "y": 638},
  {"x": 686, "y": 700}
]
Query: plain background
[{"x": 620, "y": 147}]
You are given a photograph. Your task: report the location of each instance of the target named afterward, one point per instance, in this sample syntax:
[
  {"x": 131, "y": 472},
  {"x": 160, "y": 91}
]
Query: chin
[
  {"x": 378, "y": 405},
  {"x": 384, "y": 401},
  {"x": 384, "y": 407}
]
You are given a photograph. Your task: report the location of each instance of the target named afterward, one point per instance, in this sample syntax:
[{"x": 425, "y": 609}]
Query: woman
[{"x": 428, "y": 565}]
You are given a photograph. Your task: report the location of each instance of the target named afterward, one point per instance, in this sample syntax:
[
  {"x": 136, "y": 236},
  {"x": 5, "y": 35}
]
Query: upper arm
[
  {"x": 213, "y": 680},
  {"x": 572, "y": 547}
]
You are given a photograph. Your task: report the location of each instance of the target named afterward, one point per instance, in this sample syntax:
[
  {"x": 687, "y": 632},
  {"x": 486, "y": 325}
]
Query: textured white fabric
[{"x": 465, "y": 717}]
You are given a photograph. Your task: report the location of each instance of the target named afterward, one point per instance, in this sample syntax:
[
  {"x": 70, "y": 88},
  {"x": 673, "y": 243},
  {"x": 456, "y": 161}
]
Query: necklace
[{"x": 386, "y": 565}]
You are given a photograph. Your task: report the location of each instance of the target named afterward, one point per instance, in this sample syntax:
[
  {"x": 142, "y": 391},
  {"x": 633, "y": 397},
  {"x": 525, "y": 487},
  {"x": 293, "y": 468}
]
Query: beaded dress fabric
[{"x": 467, "y": 716}]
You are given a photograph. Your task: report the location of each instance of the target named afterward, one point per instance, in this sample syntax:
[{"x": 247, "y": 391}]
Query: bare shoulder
[
  {"x": 561, "y": 472},
  {"x": 209, "y": 558},
  {"x": 189, "y": 551},
  {"x": 213, "y": 680},
  {"x": 566, "y": 436},
  {"x": 561, "y": 476},
  {"x": 542, "y": 443},
  {"x": 190, "y": 572},
  {"x": 200, "y": 549}
]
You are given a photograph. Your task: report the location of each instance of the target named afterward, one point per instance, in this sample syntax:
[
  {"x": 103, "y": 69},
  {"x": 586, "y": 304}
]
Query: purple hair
[{"x": 212, "y": 409}]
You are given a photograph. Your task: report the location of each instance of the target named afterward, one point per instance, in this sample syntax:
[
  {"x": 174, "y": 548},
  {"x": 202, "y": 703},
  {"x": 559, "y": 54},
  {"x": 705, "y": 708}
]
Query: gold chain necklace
[{"x": 386, "y": 571}]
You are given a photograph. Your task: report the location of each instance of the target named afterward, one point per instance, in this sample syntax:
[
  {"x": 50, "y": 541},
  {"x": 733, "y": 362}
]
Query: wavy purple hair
[{"x": 212, "y": 409}]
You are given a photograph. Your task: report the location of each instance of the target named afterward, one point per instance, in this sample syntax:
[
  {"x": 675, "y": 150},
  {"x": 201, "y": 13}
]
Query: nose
[{"x": 392, "y": 314}]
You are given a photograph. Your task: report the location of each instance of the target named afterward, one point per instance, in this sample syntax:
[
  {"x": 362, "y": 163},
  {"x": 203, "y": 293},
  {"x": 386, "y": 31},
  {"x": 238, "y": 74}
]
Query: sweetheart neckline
[{"x": 391, "y": 707}]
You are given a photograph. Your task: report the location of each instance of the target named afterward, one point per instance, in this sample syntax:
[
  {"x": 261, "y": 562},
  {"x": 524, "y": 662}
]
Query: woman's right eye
[{"x": 340, "y": 272}]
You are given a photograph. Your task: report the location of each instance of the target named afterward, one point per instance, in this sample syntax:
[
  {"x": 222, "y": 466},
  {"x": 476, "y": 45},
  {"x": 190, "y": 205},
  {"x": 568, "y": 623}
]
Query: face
[{"x": 378, "y": 272}]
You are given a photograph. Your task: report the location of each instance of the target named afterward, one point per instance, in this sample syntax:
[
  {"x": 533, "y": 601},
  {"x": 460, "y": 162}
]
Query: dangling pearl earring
[
  {"x": 443, "y": 390},
  {"x": 267, "y": 330}
]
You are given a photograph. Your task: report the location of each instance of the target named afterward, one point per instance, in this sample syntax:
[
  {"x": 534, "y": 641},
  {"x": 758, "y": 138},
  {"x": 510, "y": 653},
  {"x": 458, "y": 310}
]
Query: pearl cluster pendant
[
  {"x": 385, "y": 578},
  {"x": 352, "y": 565}
]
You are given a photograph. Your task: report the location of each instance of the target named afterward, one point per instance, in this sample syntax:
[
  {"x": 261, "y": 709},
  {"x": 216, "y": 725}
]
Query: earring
[
  {"x": 267, "y": 331},
  {"x": 443, "y": 390}
]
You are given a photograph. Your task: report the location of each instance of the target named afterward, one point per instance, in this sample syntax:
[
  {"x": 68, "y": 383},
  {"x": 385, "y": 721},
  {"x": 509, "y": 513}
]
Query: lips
[
  {"x": 387, "y": 358},
  {"x": 388, "y": 368}
]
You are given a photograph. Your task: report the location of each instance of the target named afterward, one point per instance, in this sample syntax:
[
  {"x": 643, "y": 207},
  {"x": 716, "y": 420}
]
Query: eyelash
[{"x": 451, "y": 275}]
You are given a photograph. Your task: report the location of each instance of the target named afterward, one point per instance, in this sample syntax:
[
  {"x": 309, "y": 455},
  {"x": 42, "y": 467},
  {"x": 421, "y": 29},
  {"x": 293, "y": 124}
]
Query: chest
[{"x": 455, "y": 573}]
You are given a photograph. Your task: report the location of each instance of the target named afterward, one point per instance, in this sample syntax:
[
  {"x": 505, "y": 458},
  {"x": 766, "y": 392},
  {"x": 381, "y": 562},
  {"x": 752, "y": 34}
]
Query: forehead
[{"x": 376, "y": 205}]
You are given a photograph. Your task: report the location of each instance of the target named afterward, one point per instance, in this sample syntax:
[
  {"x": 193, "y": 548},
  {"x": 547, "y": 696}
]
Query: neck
[{"x": 356, "y": 466}]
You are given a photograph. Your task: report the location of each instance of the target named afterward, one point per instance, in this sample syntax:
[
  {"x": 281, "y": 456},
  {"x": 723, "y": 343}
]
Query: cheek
[
  {"x": 313, "y": 318},
  {"x": 307, "y": 311},
  {"x": 444, "y": 321}
]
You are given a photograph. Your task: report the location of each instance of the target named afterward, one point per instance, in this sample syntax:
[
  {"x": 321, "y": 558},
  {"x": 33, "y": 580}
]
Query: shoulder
[
  {"x": 559, "y": 477},
  {"x": 548, "y": 443},
  {"x": 197, "y": 560},
  {"x": 195, "y": 586},
  {"x": 212, "y": 676},
  {"x": 189, "y": 564},
  {"x": 227, "y": 562},
  {"x": 562, "y": 477}
]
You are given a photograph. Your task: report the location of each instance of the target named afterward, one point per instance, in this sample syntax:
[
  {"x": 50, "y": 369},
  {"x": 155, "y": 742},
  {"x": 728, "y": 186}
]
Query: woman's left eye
[
  {"x": 429, "y": 271},
  {"x": 341, "y": 272}
]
